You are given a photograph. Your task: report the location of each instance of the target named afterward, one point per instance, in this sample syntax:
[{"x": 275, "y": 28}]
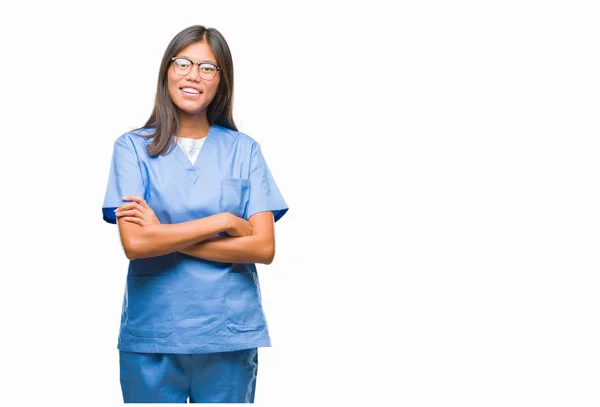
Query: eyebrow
[{"x": 200, "y": 62}]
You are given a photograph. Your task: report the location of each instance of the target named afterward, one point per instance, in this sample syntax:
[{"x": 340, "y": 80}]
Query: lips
[{"x": 189, "y": 90}]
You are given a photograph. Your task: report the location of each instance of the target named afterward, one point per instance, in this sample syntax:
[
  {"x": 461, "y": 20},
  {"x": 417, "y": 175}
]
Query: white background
[{"x": 440, "y": 162}]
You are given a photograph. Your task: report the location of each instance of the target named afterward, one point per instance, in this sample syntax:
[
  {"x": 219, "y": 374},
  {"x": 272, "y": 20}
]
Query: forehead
[{"x": 198, "y": 52}]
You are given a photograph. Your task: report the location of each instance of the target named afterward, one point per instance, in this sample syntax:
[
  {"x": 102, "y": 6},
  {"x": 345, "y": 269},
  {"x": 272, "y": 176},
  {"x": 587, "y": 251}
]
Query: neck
[{"x": 193, "y": 126}]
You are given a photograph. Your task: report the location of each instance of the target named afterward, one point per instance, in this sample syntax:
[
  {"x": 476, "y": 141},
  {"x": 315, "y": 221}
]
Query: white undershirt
[{"x": 191, "y": 147}]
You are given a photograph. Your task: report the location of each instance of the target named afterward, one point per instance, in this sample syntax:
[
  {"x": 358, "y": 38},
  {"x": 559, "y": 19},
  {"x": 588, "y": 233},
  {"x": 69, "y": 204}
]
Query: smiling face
[{"x": 191, "y": 93}]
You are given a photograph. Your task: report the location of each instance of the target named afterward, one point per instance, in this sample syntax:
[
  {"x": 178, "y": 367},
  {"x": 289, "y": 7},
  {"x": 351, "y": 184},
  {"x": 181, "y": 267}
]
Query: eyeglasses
[{"x": 183, "y": 66}]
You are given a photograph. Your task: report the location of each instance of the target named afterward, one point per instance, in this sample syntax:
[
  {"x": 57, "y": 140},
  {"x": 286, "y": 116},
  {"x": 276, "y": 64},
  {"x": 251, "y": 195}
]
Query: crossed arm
[{"x": 142, "y": 235}]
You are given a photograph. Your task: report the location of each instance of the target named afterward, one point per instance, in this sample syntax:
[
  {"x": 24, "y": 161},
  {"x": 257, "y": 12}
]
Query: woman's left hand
[{"x": 137, "y": 211}]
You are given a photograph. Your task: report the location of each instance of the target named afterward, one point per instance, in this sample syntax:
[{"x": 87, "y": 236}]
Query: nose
[{"x": 194, "y": 74}]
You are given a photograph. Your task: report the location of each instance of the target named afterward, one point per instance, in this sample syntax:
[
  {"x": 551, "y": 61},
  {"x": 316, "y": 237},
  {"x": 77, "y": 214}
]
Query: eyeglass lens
[{"x": 183, "y": 66}]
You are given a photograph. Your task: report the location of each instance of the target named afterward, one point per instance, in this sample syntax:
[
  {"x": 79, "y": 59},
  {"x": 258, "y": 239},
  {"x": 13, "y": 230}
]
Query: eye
[
  {"x": 207, "y": 68},
  {"x": 184, "y": 63}
]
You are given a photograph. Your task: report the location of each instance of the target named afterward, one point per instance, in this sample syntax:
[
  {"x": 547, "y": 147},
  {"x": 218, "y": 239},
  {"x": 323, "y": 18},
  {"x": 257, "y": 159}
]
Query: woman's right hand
[{"x": 237, "y": 226}]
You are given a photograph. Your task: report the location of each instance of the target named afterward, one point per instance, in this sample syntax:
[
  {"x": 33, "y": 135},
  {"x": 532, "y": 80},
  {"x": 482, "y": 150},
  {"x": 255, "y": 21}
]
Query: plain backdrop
[{"x": 440, "y": 162}]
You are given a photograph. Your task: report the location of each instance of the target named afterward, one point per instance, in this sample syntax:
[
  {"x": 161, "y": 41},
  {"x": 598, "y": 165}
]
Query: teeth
[{"x": 189, "y": 90}]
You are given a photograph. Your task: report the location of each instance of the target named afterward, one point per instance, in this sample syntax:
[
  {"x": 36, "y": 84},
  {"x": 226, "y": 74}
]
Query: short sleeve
[
  {"x": 124, "y": 179},
  {"x": 264, "y": 194}
]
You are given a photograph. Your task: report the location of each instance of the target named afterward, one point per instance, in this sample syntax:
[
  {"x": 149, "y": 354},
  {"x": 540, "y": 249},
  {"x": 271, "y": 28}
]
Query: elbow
[
  {"x": 130, "y": 252},
  {"x": 138, "y": 245},
  {"x": 131, "y": 255},
  {"x": 268, "y": 254},
  {"x": 133, "y": 249}
]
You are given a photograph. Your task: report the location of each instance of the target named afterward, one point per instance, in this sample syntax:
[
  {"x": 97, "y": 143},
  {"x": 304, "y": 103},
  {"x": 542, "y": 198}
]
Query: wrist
[{"x": 225, "y": 219}]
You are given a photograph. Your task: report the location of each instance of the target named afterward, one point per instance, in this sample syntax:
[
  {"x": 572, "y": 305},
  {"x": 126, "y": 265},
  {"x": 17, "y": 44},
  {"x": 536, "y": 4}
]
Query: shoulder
[
  {"x": 241, "y": 140},
  {"x": 135, "y": 138}
]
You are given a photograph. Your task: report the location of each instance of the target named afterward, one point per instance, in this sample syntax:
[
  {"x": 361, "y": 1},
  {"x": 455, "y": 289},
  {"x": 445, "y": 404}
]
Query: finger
[
  {"x": 137, "y": 199},
  {"x": 132, "y": 198},
  {"x": 139, "y": 221},
  {"x": 131, "y": 212},
  {"x": 138, "y": 213},
  {"x": 133, "y": 220},
  {"x": 121, "y": 208},
  {"x": 141, "y": 202},
  {"x": 127, "y": 206}
]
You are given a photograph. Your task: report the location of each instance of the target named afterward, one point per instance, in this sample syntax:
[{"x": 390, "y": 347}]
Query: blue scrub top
[{"x": 178, "y": 303}]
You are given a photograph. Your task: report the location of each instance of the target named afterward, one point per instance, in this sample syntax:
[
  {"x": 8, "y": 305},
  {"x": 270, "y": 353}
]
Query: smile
[{"x": 190, "y": 91}]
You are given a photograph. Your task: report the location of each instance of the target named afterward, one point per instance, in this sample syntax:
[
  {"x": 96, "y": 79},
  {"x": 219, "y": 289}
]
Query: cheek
[
  {"x": 172, "y": 86},
  {"x": 173, "y": 82},
  {"x": 172, "y": 94},
  {"x": 212, "y": 89}
]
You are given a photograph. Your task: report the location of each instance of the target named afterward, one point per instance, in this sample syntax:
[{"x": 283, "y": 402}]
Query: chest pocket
[{"x": 235, "y": 193}]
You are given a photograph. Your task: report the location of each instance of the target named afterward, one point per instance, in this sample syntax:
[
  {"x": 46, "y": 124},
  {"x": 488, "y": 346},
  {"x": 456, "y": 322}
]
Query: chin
[
  {"x": 191, "y": 108},
  {"x": 192, "y": 112}
]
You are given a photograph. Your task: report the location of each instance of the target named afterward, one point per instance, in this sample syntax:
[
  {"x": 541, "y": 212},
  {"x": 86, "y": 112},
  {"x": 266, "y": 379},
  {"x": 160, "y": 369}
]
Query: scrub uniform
[{"x": 182, "y": 305}]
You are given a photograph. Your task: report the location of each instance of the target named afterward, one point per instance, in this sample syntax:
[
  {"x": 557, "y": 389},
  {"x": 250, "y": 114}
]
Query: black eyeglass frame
[{"x": 197, "y": 63}]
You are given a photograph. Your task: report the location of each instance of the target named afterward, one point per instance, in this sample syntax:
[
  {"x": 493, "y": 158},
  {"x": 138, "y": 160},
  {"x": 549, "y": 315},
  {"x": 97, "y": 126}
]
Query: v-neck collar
[{"x": 193, "y": 169}]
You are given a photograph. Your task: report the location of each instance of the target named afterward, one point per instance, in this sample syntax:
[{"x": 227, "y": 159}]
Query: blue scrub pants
[{"x": 224, "y": 377}]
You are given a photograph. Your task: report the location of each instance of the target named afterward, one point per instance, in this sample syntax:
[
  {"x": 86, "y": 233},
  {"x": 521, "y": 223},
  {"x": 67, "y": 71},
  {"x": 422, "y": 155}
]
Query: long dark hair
[{"x": 165, "y": 114}]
